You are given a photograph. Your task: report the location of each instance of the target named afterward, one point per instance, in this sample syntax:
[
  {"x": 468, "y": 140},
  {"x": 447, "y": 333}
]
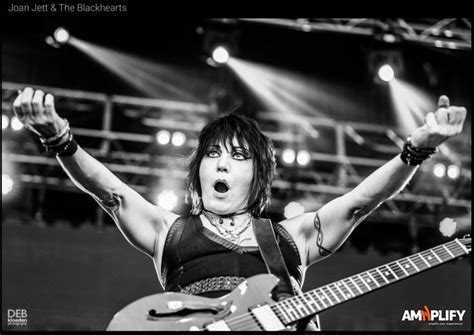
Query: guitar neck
[{"x": 317, "y": 300}]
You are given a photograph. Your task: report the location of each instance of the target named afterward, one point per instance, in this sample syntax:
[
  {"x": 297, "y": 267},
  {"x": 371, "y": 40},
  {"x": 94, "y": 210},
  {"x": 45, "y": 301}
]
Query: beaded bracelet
[
  {"x": 414, "y": 156},
  {"x": 67, "y": 148}
]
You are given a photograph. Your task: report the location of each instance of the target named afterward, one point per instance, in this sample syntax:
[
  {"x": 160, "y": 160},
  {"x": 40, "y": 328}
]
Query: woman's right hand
[{"x": 36, "y": 111}]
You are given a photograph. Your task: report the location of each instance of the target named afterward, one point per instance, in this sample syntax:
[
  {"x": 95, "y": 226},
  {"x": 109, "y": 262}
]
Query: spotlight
[
  {"x": 163, "y": 137},
  {"x": 288, "y": 156},
  {"x": 389, "y": 38},
  {"x": 448, "y": 33},
  {"x": 293, "y": 209},
  {"x": 61, "y": 35},
  {"x": 303, "y": 157},
  {"x": 5, "y": 121},
  {"x": 16, "y": 123},
  {"x": 386, "y": 73},
  {"x": 167, "y": 199},
  {"x": 178, "y": 139},
  {"x": 7, "y": 184},
  {"x": 220, "y": 55},
  {"x": 453, "y": 172},
  {"x": 439, "y": 170},
  {"x": 447, "y": 227}
]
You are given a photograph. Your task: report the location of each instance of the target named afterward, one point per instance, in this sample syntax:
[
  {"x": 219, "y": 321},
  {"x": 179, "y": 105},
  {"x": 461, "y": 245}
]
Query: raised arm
[
  {"x": 138, "y": 220},
  {"x": 319, "y": 234}
]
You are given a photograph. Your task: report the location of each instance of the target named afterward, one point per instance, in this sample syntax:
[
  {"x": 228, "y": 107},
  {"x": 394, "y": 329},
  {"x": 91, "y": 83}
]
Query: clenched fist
[
  {"x": 36, "y": 111},
  {"x": 439, "y": 126}
]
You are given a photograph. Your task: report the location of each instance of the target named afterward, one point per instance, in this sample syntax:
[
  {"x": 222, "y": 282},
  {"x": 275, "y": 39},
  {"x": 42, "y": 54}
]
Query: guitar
[{"x": 250, "y": 305}]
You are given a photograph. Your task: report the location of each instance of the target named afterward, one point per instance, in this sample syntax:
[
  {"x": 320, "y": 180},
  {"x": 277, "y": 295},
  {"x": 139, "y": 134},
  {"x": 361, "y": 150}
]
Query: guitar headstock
[{"x": 466, "y": 241}]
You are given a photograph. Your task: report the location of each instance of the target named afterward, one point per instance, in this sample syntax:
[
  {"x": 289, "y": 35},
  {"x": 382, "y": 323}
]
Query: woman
[{"x": 212, "y": 250}]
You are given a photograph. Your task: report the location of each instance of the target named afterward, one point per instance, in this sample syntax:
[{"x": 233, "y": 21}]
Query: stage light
[
  {"x": 288, "y": 156},
  {"x": 178, "y": 139},
  {"x": 439, "y": 170},
  {"x": 16, "y": 123},
  {"x": 303, "y": 157},
  {"x": 220, "y": 55},
  {"x": 7, "y": 184},
  {"x": 167, "y": 199},
  {"x": 61, "y": 35},
  {"x": 386, "y": 73},
  {"x": 306, "y": 27},
  {"x": 389, "y": 38},
  {"x": 163, "y": 137},
  {"x": 448, "y": 33},
  {"x": 5, "y": 121},
  {"x": 451, "y": 45},
  {"x": 293, "y": 209},
  {"x": 453, "y": 172},
  {"x": 447, "y": 227}
]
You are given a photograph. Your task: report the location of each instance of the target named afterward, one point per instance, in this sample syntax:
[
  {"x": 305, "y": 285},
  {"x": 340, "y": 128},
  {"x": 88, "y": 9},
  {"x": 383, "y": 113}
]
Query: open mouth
[{"x": 221, "y": 186}]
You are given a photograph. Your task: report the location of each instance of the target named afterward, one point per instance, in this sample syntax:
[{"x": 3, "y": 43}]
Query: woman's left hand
[{"x": 439, "y": 126}]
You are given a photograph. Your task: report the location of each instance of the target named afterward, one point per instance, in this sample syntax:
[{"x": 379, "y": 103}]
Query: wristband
[{"x": 414, "y": 156}]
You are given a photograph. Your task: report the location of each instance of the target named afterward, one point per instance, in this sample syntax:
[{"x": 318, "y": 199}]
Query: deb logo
[
  {"x": 434, "y": 316},
  {"x": 17, "y": 317}
]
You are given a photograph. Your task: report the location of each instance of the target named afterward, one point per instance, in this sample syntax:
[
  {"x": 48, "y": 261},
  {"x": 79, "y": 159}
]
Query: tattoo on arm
[{"x": 319, "y": 238}]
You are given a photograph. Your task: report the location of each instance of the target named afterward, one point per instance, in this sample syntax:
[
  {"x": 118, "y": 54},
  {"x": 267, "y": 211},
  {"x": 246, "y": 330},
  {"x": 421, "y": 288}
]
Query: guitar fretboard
[{"x": 322, "y": 298}]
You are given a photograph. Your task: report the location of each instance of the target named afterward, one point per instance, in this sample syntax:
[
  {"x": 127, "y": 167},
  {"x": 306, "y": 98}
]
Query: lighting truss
[
  {"x": 447, "y": 33},
  {"x": 138, "y": 166}
]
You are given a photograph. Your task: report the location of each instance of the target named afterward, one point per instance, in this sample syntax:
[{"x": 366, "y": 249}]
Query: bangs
[{"x": 225, "y": 133}]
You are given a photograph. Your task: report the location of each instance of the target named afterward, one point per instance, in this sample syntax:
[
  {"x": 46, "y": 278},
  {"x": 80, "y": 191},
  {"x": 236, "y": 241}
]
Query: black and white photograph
[{"x": 174, "y": 173}]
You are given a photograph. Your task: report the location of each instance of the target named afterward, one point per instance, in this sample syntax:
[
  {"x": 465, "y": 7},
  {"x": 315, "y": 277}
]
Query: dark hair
[{"x": 245, "y": 130}]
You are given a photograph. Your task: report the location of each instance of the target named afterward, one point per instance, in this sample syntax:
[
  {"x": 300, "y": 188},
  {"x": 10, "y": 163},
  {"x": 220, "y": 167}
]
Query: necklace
[{"x": 232, "y": 234}]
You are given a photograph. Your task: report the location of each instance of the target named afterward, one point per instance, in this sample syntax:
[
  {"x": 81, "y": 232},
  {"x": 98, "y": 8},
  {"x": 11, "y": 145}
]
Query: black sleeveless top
[{"x": 193, "y": 253}]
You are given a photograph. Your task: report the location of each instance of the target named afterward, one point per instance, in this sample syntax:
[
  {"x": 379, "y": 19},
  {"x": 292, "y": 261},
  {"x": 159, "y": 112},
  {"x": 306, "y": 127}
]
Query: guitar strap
[
  {"x": 273, "y": 259},
  {"x": 272, "y": 256}
]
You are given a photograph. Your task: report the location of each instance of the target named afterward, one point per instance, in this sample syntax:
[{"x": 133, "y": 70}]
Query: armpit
[
  {"x": 361, "y": 213},
  {"x": 110, "y": 202}
]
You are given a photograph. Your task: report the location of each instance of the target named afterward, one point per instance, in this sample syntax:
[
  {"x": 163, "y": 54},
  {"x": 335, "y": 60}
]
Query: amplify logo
[
  {"x": 17, "y": 317},
  {"x": 435, "y": 317}
]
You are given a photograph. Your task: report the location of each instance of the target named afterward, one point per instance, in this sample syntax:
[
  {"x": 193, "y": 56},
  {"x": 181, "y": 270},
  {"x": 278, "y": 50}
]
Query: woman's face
[{"x": 226, "y": 174}]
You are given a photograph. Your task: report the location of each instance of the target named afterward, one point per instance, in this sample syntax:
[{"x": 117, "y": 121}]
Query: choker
[
  {"x": 232, "y": 234},
  {"x": 217, "y": 218}
]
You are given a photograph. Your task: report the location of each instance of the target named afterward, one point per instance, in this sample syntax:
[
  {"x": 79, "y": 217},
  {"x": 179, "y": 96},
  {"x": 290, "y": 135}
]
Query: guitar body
[{"x": 182, "y": 312}]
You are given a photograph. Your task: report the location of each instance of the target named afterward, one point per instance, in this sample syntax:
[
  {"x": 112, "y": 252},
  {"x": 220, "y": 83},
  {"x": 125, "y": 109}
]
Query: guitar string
[
  {"x": 244, "y": 320},
  {"x": 247, "y": 321},
  {"x": 248, "y": 318},
  {"x": 238, "y": 320},
  {"x": 250, "y": 323}
]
